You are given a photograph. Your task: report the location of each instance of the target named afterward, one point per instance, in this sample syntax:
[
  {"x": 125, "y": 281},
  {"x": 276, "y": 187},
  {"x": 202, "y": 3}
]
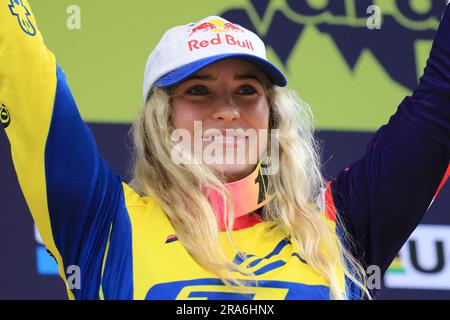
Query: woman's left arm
[{"x": 383, "y": 196}]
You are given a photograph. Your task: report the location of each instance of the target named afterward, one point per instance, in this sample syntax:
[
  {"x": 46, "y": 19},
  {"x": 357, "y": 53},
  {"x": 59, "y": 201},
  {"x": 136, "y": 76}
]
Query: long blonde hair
[{"x": 179, "y": 188}]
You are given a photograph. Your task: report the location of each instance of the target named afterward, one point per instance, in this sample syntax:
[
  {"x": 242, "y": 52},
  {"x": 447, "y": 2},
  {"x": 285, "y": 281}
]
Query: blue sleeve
[
  {"x": 83, "y": 194},
  {"x": 383, "y": 196}
]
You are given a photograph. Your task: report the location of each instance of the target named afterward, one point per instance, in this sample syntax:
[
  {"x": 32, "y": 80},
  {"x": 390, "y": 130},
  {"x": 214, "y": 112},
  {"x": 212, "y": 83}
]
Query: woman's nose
[{"x": 226, "y": 110}]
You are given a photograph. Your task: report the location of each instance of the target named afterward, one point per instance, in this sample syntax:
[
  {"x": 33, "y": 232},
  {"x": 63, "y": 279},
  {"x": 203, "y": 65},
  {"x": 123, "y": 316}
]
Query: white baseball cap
[{"x": 184, "y": 50}]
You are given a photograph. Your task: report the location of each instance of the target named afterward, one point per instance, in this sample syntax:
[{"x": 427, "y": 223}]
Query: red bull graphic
[
  {"x": 216, "y": 26},
  {"x": 207, "y": 26},
  {"x": 232, "y": 27}
]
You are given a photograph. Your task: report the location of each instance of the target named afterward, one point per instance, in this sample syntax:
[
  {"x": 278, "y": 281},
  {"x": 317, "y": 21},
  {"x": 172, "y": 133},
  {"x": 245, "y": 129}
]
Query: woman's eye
[
  {"x": 197, "y": 91},
  {"x": 246, "y": 90}
]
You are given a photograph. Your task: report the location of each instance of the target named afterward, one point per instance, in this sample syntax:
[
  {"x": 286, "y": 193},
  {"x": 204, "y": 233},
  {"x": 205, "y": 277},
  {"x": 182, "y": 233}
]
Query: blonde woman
[{"x": 195, "y": 222}]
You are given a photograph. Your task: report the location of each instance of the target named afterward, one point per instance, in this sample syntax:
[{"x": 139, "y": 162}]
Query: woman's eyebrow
[
  {"x": 247, "y": 76},
  {"x": 201, "y": 77},
  {"x": 242, "y": 76}
]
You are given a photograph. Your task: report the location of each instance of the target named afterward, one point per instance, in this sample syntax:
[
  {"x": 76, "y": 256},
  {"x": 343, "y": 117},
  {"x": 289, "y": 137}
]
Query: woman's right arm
[{"x": 70, "y": 190}]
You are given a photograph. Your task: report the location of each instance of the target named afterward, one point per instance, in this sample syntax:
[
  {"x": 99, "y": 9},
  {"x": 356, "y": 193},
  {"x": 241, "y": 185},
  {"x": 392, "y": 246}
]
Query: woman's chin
[{"x": 232, "y": 172}]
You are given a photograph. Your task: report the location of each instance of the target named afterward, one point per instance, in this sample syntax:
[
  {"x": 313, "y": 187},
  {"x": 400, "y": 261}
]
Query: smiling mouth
[{"x": 227, "y": 140}]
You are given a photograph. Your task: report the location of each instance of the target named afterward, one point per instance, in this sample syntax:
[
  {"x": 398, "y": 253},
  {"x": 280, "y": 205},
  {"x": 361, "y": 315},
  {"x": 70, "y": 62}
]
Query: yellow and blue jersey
[{"x": 124, "y": 244}]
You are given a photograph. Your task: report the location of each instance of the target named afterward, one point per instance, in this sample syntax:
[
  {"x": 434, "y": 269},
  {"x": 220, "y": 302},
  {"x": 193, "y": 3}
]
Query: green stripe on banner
[{"x": 396, "y": 270}]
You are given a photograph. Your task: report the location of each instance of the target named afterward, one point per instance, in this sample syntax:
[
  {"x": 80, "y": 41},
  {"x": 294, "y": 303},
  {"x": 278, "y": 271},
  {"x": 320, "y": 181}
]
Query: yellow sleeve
[
  {"x": 27, "y": 92},
  {"x": 71, "y": 192}
]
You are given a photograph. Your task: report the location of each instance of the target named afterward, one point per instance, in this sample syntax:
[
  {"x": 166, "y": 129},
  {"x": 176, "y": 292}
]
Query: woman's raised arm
[
  {"x": 71, "y": 192},
  {"x": 383, "y": 196}
]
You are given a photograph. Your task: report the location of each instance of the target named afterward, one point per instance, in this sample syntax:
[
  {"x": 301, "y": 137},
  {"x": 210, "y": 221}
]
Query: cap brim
[{"x": 184, "y": 72}]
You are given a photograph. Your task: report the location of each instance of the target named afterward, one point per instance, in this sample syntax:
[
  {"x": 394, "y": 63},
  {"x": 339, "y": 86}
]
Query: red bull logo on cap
[
  {"x": 218, "y": 28},
  {"x": 214, "y": 25}
]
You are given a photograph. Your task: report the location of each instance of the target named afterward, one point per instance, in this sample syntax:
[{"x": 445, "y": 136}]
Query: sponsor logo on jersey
[
  {"x": 5, "y": 117},
  {"x": 23, "y": 15},
  {"x": 171, "y": 238},
  {"x": 214, "y": 289}
]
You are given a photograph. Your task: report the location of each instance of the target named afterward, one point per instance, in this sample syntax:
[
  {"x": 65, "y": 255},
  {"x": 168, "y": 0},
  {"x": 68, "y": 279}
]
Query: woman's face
[{"x": 228, "y": 96}]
